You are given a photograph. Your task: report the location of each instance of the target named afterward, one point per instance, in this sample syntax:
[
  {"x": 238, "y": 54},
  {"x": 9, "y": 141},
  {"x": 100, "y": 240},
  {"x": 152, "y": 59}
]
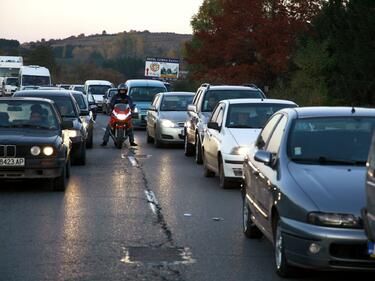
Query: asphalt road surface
[{"x": 133, "y": 214}]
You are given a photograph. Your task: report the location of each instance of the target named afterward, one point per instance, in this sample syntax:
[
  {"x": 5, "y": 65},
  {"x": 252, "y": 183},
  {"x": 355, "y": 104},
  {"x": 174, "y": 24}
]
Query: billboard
[{"x": 164, "y": 68}]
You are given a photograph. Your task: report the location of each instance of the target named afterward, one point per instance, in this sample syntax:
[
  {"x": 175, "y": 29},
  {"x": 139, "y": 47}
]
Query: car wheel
[
  {"x": 198, "y": 150},
  {"x": 224, "y": 182},
  {"x": 206, "y": 171},
  {"x": 283, "y": 268},
  {"x": 81, "y": 160},
  {"x": 248, "y": 227},
  {"x": 158, "y": 143},
  {"x": 149, "y": 139},
  {"x": 59, "y": 183},
  {"x": 188, "y": 147},
  {"x": 68, "y": 168},
  {"x": 90, "y": 139}
]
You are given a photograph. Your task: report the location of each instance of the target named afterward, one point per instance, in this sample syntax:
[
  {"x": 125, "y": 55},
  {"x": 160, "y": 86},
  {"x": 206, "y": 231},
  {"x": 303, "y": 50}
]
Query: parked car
[
  {"x": 304, "y": 190},
  {"x": 69, "y": 111},
  {"x": 33, "y": 141},
  {"x": 234, "y": 125},
  {"x": 142, "y": 93},
  {"x": 201, "y": 108},
  {"x": 166, "y": 117},
  {"x": 80, "y": 88},
  {"x": 107, "y": 100},
  {"x": 86, "y": 116},
  {"x": 368, "y": 213},
  {"x": 97, "y": 88}
]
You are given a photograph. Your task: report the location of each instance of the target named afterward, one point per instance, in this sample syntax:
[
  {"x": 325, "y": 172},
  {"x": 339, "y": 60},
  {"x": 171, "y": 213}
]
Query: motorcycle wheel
[{"x": 120, "y": 138}]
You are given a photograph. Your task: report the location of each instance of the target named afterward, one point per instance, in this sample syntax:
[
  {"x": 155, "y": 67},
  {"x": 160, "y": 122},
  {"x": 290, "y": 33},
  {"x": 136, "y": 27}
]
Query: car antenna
[{"x": 353, "y": 110}]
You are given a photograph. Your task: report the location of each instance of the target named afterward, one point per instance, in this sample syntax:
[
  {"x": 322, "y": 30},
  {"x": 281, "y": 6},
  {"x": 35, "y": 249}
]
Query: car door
[
  {"x": 209, "y": 143},
  {"x": 217, "y": 137},
  {"x": 193, "y": 119},
  {"x": 152, "y": 117},
  {"x": 254, "y": 171},
  {"x": 370, "y": 190}
]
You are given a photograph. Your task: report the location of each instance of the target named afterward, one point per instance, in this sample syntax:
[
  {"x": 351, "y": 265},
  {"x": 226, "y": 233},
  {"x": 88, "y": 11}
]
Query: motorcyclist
[{"x": 120, "y": 97}]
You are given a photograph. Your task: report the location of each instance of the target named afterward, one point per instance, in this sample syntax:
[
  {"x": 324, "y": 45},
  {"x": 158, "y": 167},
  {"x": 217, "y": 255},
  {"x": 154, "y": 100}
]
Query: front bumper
[
  {"x": 140, "y": 121},
  {"x": 369, "y": 224},
  {"x": 35, "y": 169},
  {"x": 340, "y": 248},
  {"x": 233, "y": 166},
  {"x": 172, "y": 135}
]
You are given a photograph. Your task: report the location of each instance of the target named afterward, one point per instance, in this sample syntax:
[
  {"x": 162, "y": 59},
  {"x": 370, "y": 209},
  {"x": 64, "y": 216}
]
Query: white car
[{"x": 232, "y": 127}]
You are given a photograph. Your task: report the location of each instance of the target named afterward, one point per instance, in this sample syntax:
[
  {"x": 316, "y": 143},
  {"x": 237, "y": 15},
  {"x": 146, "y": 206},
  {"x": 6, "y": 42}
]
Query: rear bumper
[
  {"x": 140, "y": 121},
  {"x": 233, "y": 166},
  {"x": 340, "y": 249}
]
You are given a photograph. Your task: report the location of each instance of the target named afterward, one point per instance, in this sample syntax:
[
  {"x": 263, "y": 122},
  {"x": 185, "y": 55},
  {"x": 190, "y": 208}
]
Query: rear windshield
[
  {"x": 333, "y": 140},
  {"x": 99, "y": 89},
  {"x": 145, "y": 93},
  {"x": 175, "y": 103},
  {"x": 212, "y": 97}
]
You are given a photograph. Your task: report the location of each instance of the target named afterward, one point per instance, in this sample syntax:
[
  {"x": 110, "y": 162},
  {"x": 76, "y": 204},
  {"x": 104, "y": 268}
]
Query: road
[{"x": 132, "y": 214}]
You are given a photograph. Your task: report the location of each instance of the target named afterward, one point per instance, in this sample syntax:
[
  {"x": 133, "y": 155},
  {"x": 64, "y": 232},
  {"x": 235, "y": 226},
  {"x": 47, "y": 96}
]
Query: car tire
[
  {"x": 158, "y": 143},
  {"x": 283, "y": 268},
  {"x": 248, "y": 226},
  {"x": 81, "y": 159},
  {"x": 198, "y": 150},
  {"x": 90, "y": 139},
  {"x": 206, "y": 171},
  {"x": 188, "y": 147},
  {"x": 224, "y": 182},
  {"x": 59, "y": 183},
  {"x": 148, "y": 138}
]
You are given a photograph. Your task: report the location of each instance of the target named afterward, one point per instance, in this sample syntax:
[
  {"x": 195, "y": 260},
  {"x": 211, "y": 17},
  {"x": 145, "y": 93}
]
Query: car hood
[
  {"x": 244, "y": 137},
  {"x": 333, "y": 189},
  {"x": 27, "y": 136},
  {"x": 177, "y": 116}
]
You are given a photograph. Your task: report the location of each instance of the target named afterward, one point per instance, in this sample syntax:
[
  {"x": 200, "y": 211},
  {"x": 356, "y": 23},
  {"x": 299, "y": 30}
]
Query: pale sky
[{"x": 31, "y": 20}]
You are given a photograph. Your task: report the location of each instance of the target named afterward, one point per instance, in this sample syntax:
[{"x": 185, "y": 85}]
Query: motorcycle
[{"x": 120, "y": 123}]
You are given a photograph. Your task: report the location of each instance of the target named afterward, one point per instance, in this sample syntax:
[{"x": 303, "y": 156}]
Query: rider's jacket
[{"x": 118, "y": 99}]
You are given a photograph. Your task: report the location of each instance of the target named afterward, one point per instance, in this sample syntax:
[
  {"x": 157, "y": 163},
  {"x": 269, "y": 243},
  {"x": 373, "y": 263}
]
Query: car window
[
  {"x": 277, "y": 135},
  {"x": 145, "y": 94},
  {"x": 267, "y": 131},
  {"x": 80, "y": 101},
  {"x": 220, "y": 116},
  {"x": 215, "y": 113},
  {"x": 175, "y": 102},
  {"x": 196, "y": 96}
]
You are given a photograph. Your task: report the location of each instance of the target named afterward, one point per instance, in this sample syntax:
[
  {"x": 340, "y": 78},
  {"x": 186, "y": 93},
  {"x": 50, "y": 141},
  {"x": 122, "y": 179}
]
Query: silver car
[
  {"x": 166, "y": 117},
  {"x": 304, "y": 182}
]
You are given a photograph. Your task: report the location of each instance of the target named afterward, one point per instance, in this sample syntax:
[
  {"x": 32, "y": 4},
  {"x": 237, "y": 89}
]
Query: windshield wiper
[
  {"x": 324, "y": 160},
  {"x": 243, "y": 126},
  {"x": 30, "y": 126}
]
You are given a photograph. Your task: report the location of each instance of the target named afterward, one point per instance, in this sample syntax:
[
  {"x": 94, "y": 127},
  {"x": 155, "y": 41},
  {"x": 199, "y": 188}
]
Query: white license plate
[
  {"x": 371, "y": 249},
  {"x": 12, "y": 162}
]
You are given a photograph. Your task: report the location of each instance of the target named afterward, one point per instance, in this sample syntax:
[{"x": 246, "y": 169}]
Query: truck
[
  {"x": 34, "y": 75},
  {"x": 10, "y": 66}
]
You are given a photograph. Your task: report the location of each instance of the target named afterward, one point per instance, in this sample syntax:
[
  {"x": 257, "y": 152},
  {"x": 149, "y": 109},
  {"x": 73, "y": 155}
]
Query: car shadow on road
[{"x": 11, "y": 186}]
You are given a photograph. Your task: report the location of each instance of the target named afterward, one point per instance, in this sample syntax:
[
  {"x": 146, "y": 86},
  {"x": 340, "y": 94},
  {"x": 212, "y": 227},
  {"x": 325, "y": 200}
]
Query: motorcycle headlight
[
  {"x": 74, "y": 133},
  {"x": 121, "y": 116},
  {"x": 334, "y": 220},
  {"x": 48, "y": 150},
  {"x": 35, "y": 150},
  {"x": 239, "y": 150},
  {"x": 167, "y": 123}
]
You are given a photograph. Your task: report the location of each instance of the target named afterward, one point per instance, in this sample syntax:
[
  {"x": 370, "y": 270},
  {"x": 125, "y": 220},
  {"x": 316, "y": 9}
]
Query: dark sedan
[
  {"x": 87, "y": 117},
  {"x": 69, "y": 111},
  {"x": 33, "y": 141},
  {"x": 304, "y": 187}
]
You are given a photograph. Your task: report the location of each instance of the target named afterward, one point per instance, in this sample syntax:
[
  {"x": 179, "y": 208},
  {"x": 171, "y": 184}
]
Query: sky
[{"x": 32, "y": 20}]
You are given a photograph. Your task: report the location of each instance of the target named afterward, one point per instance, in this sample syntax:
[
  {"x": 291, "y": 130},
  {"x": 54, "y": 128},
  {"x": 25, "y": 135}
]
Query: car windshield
[
  {"x": 331, "y": 141},
  {"x": 79, "y": 88},
  {"x": 175, "y": 103},
  {"x": 64, "y": 104},
  {"x": 80, "y": 100},
  {"x": 252, "y": 115},
  {"x": 212, "y": 97},
  {"x": 12, "y": 81},
  {"x": 112, "y": 93},
  {"x": 145, "y": 93},
  {"x": 33, "y": 80},
  {"x": 99, "y": 89},
  {"x": 27, "y": 114}
]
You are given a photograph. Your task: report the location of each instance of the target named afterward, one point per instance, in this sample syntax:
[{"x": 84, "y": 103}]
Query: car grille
[
  {"x": 14, "y": 151},
  {"x": 350, "y": 251}
]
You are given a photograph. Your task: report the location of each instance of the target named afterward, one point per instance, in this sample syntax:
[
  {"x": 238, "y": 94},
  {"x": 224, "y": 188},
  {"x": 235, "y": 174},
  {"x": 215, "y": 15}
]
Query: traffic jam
[{"x": 304, "y": 176}]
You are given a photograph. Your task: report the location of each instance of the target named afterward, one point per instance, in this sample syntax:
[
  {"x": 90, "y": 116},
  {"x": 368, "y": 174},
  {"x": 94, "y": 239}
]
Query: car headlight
[
  {"x": 239, "y": 150},
  {"x": 334, "y": 220},
  {"x": 35, "y": 150},
  {"x": 48, "y": 151},
  {"x": 167, "y": 123},
  {"x": 136, "y": 110},
  {"x": 74, "y": 133}
]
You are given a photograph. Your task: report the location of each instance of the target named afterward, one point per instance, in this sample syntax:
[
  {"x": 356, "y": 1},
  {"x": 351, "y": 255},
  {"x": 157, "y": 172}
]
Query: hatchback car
[
  {"x": 201, "y": 108},
  {"x": 69, "y": 111},
  {"x": 166, "y": 117},
  {"x": 304, "y": 187},
  {"x": 34, "y": 143},
  {"x": 233, "y": 126}
]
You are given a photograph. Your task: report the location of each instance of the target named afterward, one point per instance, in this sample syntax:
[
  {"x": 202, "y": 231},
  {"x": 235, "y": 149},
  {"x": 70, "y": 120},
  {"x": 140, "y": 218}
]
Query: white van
[
  {"x": 97, "y": 88},
  {"x": 34, "y": 75},
  {"x": 9, "y": 86}
]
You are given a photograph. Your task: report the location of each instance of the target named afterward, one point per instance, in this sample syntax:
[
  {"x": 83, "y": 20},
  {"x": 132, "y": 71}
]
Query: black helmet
[{"x": 122, "y": 90}]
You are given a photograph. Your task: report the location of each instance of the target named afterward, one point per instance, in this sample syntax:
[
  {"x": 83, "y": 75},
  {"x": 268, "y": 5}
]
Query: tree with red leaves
[{"x": 242, "y": 41}]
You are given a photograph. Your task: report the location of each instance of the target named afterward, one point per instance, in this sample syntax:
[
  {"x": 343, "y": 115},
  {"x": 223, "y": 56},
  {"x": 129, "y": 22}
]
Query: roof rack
[{"x": 206, "y": 85}]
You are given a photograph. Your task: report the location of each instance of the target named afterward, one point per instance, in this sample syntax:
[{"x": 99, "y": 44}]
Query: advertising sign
[{"x": 164, "y": 68}]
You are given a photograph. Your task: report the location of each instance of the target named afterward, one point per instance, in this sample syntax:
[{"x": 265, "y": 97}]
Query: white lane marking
[
  {"x": 133, "y": 161},
  {"x": 152, "y": 201},
  {"x": 103, "y": 129}
]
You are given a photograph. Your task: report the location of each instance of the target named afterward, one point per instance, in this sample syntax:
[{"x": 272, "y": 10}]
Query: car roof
[
  {"x": 178, "y": 93},
  {"x": 26, "y": 99},
  {"x": 98, "y": 82},
  {"x": 332, "y": 111},
  {"x": 144, "y": 82},
  {"x": 50, "y": 93},
  {"x": 239, "y": 101},
  {"x": 231, "y": 87}
]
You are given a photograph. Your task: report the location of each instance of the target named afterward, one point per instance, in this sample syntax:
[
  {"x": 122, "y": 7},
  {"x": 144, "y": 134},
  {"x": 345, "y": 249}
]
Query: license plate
[
  {"x": 371, "y": 249},
  {"x": 12, "y": 162}
]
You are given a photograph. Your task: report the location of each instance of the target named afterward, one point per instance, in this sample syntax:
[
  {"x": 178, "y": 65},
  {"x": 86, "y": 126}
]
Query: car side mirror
[
  {"x": 192, "y": 107},
  {"x": 67, "y": 125},
  {"x": 264, "y": 157},
  {"x": 213, "y": 125}
]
